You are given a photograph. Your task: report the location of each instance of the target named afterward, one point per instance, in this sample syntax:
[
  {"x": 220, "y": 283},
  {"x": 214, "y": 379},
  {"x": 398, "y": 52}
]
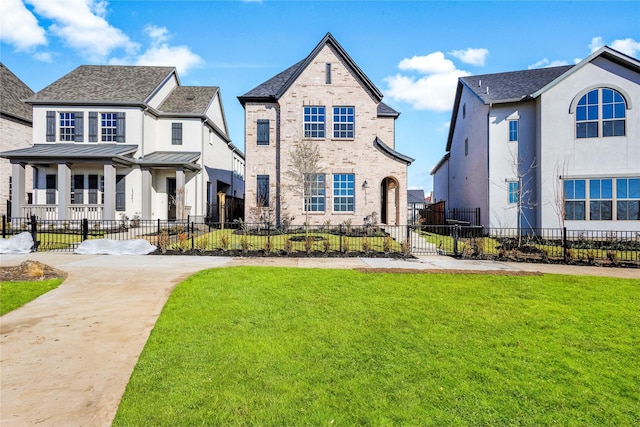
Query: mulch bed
[{"x": 30, "y": 271}]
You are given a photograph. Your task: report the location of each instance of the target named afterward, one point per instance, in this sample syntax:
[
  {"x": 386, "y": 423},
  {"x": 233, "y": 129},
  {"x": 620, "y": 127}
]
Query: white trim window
[
  {"x": 601, "y": 112},
  {"x": 627, "y": 199},
  {"x": 514, "y": 192},
  {"x": 513, "y": 130},
  {"x": 108, "y": 127},
  {"x": 344, "y": 192},
  {"x": 344, "y": 122},
  {"x": 315, "y": 193},
  {"x": 314, "y": 122},
  {"x": 67, "y": 126}
]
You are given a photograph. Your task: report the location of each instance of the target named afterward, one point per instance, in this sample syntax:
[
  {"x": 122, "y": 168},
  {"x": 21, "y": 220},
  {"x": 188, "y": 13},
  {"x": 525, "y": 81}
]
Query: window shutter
[
  {"x": 176, "y": 133},
  {"x": 121, "y": 200},
  {"x": 51, "y": 126},
  {"x": 93, "y": 126},
  {"x": 263, "y": 132},
  {"x": 120, "y": 127},
  {"x": 78, "y": 133}
]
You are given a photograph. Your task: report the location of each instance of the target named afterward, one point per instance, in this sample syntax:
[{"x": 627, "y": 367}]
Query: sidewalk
[{"x": 66, "y": 357}]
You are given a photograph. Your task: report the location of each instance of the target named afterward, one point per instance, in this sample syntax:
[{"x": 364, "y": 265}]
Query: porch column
[
  {"x": 109, "y": 210},
  {"x": 180, "y": 193},
  {"x": 146, "y": 193},
  {"x": 17, "y": 189},
  {"x": 64, "y": 190}
]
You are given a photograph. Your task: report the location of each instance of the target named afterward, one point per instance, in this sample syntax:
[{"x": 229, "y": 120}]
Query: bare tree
[
  {"x": 304, "y": 167},
  {"x": 559, "y": 171}
]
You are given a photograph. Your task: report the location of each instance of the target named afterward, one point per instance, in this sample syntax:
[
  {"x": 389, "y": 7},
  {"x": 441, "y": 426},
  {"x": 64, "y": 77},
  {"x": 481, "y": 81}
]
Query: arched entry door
[{"x": 389, "y": 201}]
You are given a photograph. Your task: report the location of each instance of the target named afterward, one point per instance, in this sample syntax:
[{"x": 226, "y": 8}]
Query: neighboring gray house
[
  {"x": 112, "y": 141},
  {"x": 15, "y": 131},
  {"x": 325, "y": 99},
  {"x": 547, "y": 148}
]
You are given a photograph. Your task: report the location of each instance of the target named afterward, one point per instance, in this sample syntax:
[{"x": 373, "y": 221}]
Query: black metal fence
[{"x": 239, "y": 238}]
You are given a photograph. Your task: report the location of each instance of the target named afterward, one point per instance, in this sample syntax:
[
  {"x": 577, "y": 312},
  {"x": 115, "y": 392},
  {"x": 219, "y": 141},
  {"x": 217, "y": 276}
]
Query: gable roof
[
  {"x": 105, "y": 83},
  {"x": 189, "y": 100},
  {"x": 512, "y": 86},
  {"x": 12, "y": 92},
  {"x": 275, "y": 87}
]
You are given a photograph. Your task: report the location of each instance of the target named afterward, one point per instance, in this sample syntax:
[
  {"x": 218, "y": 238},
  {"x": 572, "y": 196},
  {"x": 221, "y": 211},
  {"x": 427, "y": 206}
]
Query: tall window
[
  {"x": 262, "y": 193},
  {"x": 176, "y": 133},
  {"x": 77, "y": 189},
  {"x": 601, "y": 112},
  {"x": 513, "y": 192},
  {"x": 343, "y": 122},
  {"x": 263, "y": 132},
  {"x": 314, "y": 188},
  {"x": 574, "y": 199},
  {"x": 600, "y": 199},
  {"x": 50, "y": 185},
  {"x": 628, "y": 198},
  {"x": 314, "y": 118},
  {"x": 513, "y": 130},
  {"x": 343, "y": 192},
  {"x": 67, "y": 126},
  {"x": 108, "y": 127}
]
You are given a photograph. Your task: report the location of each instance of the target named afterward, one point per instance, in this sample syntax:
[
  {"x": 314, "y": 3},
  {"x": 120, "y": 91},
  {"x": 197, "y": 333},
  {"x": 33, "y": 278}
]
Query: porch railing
[{"x": 74, "y": 212}]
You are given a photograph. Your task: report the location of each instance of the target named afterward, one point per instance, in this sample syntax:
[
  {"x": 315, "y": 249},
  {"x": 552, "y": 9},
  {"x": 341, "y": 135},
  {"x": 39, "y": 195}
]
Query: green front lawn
[
  {"x": 17, "y": 294},
  {"x": 303, "y": 347}
]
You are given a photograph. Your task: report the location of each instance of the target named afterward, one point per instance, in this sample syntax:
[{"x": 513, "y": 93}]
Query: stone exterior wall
[
  {"x": 356, "y": 156},
  {"x": 13, "y": 135}
]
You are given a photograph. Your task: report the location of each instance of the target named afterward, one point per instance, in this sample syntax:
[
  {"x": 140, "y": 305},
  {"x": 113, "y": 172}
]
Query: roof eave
[{"x": 377, "y": 142}]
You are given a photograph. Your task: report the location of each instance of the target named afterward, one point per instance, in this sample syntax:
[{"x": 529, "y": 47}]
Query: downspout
[{"x": 488, "y": 170}]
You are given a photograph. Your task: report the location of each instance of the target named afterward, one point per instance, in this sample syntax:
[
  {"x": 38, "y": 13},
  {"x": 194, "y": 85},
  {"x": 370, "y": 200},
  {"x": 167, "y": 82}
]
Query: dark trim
[{"x": 391, "y": 152}]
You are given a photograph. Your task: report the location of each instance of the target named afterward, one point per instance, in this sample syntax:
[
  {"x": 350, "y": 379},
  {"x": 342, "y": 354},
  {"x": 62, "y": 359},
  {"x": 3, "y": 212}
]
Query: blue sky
[{"x": 414, "y": 51}]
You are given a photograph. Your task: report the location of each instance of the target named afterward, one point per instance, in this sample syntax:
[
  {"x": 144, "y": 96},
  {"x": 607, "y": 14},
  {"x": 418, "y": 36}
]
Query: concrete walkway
[{"x": 66, "y": 357}]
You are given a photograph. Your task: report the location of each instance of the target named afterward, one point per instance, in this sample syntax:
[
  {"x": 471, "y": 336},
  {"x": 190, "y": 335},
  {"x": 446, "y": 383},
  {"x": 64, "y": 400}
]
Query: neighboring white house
[
  {"x": 547, "y": 148},
  {"x": 113, "y": 141},
  {"x": 326, "y": 100},
  {"x": 15, "y": 131}
]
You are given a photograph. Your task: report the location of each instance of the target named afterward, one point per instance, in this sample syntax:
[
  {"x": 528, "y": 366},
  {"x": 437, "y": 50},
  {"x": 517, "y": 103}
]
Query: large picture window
[
  {"x": 314, "y": 119},
  {"x": 574, "y": 199},
  {"x": 343, "y": 122},
  {"x": 314, "y": 189},
  {"x": 601, "y": 112},
  {"x": 344, "y": 192},
  {"x": 628, "y": 199},
  {"x": 600, "y": 199}
]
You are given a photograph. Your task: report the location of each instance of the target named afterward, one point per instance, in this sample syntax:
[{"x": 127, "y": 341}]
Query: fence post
[
  {"x": 455, "y": 239},
  {"x": 340, "y": 238},
  {"x": 564, "y": 244},
  {"x": 158, "y": 227},
  {"x": 193, "y": 237},
  {"x": 34, "y": 231},
  {"x": 4, "y": 226},
  {"x": 85, "y": 229}
]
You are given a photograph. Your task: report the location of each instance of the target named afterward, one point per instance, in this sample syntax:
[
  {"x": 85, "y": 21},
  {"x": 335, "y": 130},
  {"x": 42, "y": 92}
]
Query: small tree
[
  {"x": 303, "y": 169},
  {"x": 559, "y": 171}
]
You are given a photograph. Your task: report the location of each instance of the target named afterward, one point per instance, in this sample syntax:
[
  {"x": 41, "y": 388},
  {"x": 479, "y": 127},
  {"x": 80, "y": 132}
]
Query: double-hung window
[
  {"x": 262, "y": 193},
  {"x": 513, "y": 130},
  {"x": 343, "y": 192},
  {"x": 314, "y": 192},
  {"x": 574, "y": 199},
  {"x": 314, "y": 119},
  {"x": 601, "y": 112},
  {"x": 628, "y": 198},
  {"x": 600, "y": 199},
  {"x": 67, "y": 126},
  {"x": 513, "y": 192},
  {"x": 343, "y": 122},
  {"x": 108, "y": 127},
  {"x": 176, "y": 133}
]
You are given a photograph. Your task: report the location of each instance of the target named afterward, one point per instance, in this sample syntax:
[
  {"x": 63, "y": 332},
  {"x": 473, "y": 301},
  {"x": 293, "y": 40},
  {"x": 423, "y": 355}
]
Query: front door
[{"x": 171, "y": 195}]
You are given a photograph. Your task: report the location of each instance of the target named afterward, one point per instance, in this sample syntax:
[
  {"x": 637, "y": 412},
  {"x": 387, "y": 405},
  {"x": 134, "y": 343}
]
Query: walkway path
[{"x": 66, "y": 358}]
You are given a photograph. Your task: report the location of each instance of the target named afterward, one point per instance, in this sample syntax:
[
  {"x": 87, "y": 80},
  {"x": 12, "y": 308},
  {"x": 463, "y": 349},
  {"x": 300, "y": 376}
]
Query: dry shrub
[
  {"x": 326, "y": 245},
  {"x": 224, "y": 241},
  {"x": 366, "y": 244},
  {"x": 183, "y": 241},
  {"x": 308, "y": 244},
  {"x": 163, "y": 241},
  {"x": 288, "y": 246},
  {"x": 386, "y": 244}
]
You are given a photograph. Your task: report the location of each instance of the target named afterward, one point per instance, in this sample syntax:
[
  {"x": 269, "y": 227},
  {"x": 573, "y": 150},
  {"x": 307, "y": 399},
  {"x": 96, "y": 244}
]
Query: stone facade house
[
  {"x": 325, "y": 100},
  {"x": 15, "y": 132},
  {"x": 126, "y": 141},
  {"x": 547, "y": 148}
]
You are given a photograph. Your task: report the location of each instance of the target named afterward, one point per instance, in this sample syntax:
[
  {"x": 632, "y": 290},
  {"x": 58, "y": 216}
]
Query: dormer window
[{"x": 601, "y": 112}]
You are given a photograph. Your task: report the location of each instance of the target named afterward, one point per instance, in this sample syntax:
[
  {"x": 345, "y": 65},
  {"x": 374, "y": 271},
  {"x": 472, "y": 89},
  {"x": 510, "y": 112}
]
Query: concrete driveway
[{"x": 66, "y": 357}]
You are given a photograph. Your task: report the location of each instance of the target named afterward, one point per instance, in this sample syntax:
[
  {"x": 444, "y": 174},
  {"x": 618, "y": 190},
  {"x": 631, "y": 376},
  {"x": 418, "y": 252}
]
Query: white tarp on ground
[
  {"x": 115, "y": 247},
  {"x": 18, "y": 244}
]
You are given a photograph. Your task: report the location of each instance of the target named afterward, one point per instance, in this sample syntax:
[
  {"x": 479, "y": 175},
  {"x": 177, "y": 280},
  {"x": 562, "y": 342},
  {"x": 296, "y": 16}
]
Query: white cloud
[
  {"x": 434, "y": 63},
  {"x": 596, "y": 43},
  {"x": 19, "y": 27},
  {"x": 180, "y": 57},
  {"x": 82, "y": 25},
  {"x": 627, "y": 46},
  {"x": 472, "y": 56},
  {"x": 545, "y": 63},
  {"x": 43, "y": 57},
  {"x": 434, "y": 89},
  {"x": 157, "y": 34}
]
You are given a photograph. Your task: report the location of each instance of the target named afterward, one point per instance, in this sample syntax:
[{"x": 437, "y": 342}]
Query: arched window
[{"x": 601, "y": 112}]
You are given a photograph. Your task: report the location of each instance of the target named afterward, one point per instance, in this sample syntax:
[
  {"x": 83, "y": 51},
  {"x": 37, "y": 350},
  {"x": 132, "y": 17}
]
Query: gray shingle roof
[
  {"x": 512, "y": 86},
  {"x": 12, "y": 92},
  {"x": 415, "y": 196},
  {"x": 271, "y": 87},
  {"x": 189, "y": 100},
  {"x": 104, "y": 83},
  {"x": 385, "y": 111}
]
